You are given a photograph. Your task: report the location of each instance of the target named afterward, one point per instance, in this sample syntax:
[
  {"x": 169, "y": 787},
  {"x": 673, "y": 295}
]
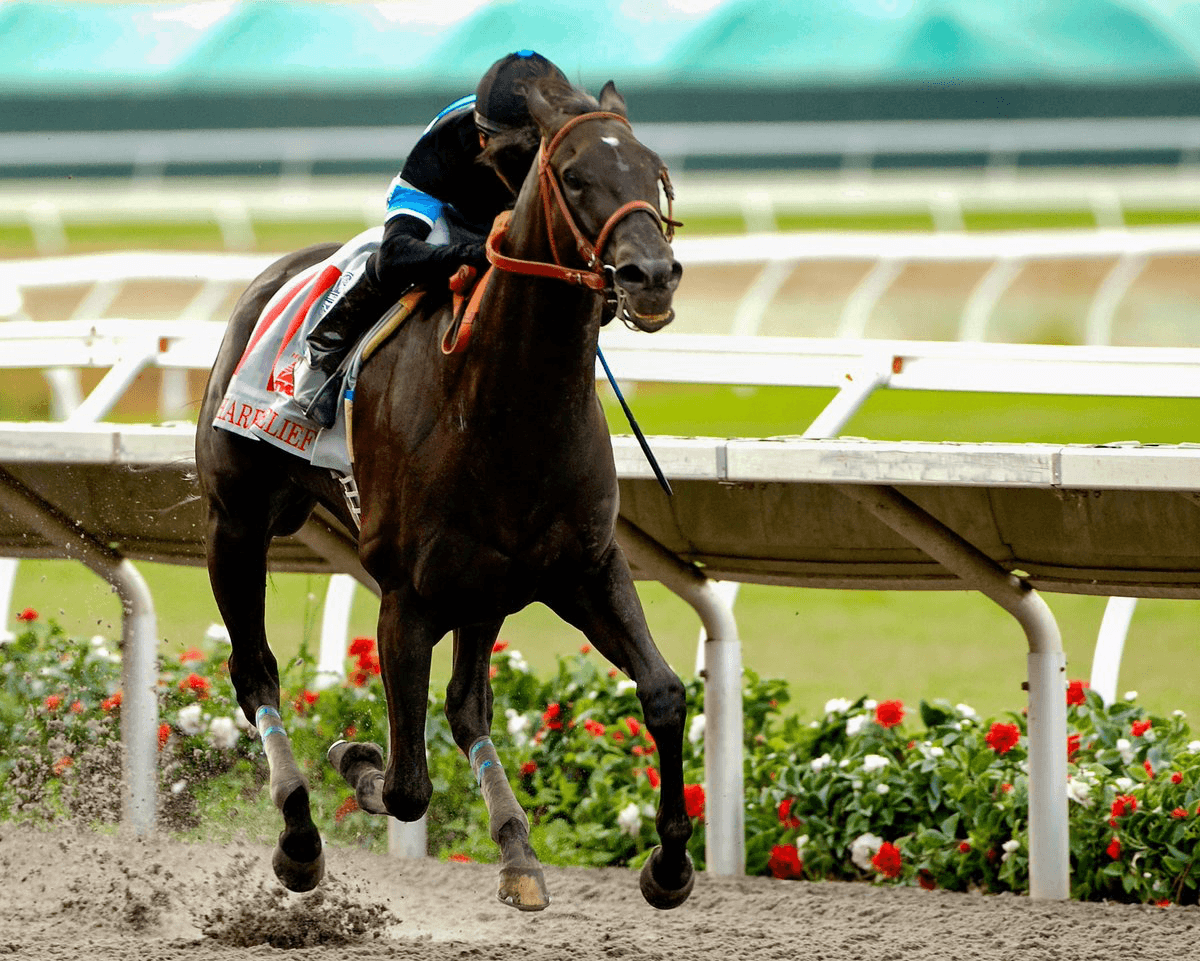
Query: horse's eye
[{"x": 571, "y": 180}]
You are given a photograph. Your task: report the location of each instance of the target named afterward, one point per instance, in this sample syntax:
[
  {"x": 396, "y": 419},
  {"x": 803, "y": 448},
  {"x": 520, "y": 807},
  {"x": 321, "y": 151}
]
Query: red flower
[
  {"x": 964, "y": 847},
  {"x": 632, "y": 726},
  {"x": 693, "y": 800},
  {"x": 1149, "y": 768},
  {"x": 1164, "y": 903},
  {"x": 785, "y": 862},
  {"x": 1177, "y": 778},
  {"x": 1138, "y": 728},
  {"x": 1006, "y": 787},
  {"x": 889, "y": 713},
  {"x": 52, "y": 702},
  {"x": 1002, "y": 738},
  {"x": 1075, "y": 693},
  {"x": 461, "y": 858},
  {"x": 367, "y": 661},
  {"x": 528, "y": 768},
  {"x": 1114, "y": 848},
  {"x": 493, "y": 672},
  {"x": 925, "y": 879},
  {"x": 1072, "y": 745},
  {"x": 1179, "y": 813},
  {"x": 551, "y": 716},
  {"x": 499, "y": 646},
  {"x": 61, "y": 765},
  {"x": 348, "y": 806},
  {"x": 195, "y": 683},
  {"x": 887, "y": 860},
  {"x": 585, "y": 649},
  {"x": 786, "y": 818},
  {"x": 303, "y": 700},
  {"x": 349, "y": 733},
  {"x": 111, "y": 703},
  {"x": 638, "y": 751},
  {"x": 652, "y": 776},
  {"x": 360, "y": 646},
  {"x": 1123, "y": 804},
  {"x": 191, "y": 654},
  {"x": 77, "y": 707},
  {"x": 594, "y": 728},
  {"x": 27, "y": 615},
  {"x": 164, "y": 734}
]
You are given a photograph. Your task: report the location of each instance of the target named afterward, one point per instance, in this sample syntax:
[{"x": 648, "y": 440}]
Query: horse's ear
[
  {"x": 547, "y": 118},
  {"x": 612, "y": 101}
]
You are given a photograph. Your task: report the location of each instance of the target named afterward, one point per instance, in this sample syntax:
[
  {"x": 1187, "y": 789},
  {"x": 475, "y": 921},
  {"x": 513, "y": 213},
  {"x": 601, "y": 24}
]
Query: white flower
[
  {"x": 1179, "y": 714},
  {"x": 518, "y": 723},
  {"x": 217, "y": 634},
  {"x": 863, "y": 848},
  {"x": 957, "y": 725},
  {"x": 222, "y": 733},
  {"x": 1010, "y": 847},
  {"x": 820, "y": 763},
  {"x": 874, "y": 762},
  {"x": 1131, "y": 695},
  {"x": 178, "y": 787},
  {"x": 800, "y": 842},
  {"x": 190, "y": 720},
  {"x": 626, "y": 686},
  {"x": 855, "y": 724},
  {"x": 856, "y": 784},
  {"x": 870, "y": 704},
  {"x": 966, "y": 710},
  {"x": 1193, "y": 747},
  {"x": 837, "y": 705},
  {"x": 1126, "y": 749},
  {"x": 696, "y": 729},
  {"x": 517, "y": 662},
  {"x": 648, "y": 810},
  {"x": 937, "y": 750},
  {"x": 630, "y": 820},
  {"x": 844, "y": 763},
  {"x": 882, "y": 788},
  {"x": 1079, "y": 791},
  {"x": 240, "y": 720},
  {"x": 1123, "y": 784}
]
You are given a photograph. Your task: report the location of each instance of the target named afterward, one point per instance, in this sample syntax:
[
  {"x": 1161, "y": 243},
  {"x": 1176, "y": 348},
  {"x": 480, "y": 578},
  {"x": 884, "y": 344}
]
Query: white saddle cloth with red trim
[{"x": 258, "y": 402}]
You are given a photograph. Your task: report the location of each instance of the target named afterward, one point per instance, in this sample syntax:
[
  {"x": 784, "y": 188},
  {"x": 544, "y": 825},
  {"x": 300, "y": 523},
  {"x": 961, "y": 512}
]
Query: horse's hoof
[
  {"x": 523, "y": 889},
  {"x": 655, "y": 894},
  {"x": 298, "y": 876},
  {"x": 345, "y": 756}
]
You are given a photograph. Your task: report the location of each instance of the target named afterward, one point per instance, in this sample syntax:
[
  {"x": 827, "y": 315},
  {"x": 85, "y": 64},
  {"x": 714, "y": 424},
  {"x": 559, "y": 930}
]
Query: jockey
[{"x": 439, "y": 210}]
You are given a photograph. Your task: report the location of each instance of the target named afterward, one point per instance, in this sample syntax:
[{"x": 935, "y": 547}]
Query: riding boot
[{"x": 318, "y": 387}]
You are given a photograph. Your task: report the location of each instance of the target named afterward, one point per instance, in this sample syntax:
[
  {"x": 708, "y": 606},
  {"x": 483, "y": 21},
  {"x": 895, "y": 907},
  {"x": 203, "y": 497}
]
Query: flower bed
[{"x": 933, "y": 796}]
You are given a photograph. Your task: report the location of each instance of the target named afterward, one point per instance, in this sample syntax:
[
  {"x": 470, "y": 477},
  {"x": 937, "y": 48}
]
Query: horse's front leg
[
  {"x": 403, "y": 788},
  {"x": 469, "y": 710},
  {"x": 605, "y": 606}
]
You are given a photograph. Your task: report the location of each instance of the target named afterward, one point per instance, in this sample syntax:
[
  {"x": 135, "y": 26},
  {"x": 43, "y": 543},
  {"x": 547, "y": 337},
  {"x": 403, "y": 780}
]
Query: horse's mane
[{"x": 511, "y": 152}]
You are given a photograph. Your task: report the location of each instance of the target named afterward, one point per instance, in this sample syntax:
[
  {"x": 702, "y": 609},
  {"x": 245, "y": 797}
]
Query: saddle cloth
[{"x": 258, "y": 401}]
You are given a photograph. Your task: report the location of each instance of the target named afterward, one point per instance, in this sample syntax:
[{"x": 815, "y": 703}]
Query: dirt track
[{"x": 72, "y": 895}]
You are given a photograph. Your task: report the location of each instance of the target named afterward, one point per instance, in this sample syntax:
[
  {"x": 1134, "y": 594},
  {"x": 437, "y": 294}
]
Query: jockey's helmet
[{"x": 500, "y": 103}]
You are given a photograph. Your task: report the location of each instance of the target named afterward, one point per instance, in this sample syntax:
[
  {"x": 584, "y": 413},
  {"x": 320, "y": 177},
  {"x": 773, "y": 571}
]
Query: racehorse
[{"x": 486, "y": 481}]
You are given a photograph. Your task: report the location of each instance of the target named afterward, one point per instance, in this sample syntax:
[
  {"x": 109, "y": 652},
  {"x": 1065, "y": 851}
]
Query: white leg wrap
[{"x": 493, "y": 785}]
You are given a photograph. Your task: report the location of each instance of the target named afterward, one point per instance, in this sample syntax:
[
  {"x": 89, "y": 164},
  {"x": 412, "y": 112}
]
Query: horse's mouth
[{"x": 651, "y": 322}]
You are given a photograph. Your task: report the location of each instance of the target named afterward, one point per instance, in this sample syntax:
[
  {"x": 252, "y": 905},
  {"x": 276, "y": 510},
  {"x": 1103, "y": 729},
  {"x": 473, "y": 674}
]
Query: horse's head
[{"x": 600, "y": 191}]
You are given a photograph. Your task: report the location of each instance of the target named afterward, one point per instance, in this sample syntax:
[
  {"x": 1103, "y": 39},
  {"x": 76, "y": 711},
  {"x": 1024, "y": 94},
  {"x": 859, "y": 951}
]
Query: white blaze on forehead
[
  {"x": 615, "y": 143},
  {"x": 611, "y": 141}
]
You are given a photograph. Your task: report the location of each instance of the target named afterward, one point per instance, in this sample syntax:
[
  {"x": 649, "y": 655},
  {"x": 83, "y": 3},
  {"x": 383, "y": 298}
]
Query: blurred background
[{"x": 1035, "y": 127}]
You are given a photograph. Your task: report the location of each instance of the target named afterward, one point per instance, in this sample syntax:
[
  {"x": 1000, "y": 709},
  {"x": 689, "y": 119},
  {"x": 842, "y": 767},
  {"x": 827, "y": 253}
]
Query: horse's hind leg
[
  {"x": 605, "y": 606},
  {"x": 469, "y": 710},
  {"x": 237, "y": 568}
]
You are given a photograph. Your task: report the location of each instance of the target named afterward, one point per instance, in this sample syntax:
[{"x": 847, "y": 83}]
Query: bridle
[{"x": 595, "y": 275}]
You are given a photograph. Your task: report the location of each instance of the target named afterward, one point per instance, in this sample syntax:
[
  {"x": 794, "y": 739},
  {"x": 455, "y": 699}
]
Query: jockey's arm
[{"x": 405, "y": 257}]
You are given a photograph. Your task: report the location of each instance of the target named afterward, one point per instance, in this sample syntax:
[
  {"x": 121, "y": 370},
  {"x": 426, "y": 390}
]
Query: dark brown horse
[{"x": 487, "y": 482}]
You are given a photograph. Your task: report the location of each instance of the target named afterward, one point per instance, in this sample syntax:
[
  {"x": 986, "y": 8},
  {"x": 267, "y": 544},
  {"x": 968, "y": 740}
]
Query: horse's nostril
[{"x": 655, "y": 273}]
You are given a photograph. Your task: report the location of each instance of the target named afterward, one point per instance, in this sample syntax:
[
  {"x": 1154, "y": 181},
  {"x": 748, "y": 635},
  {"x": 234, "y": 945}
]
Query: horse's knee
[{"x": 407, "y": 799}]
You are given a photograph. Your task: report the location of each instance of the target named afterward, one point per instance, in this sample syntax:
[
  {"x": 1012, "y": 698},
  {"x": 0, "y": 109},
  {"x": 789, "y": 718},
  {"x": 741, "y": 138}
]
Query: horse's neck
[{"x": 535, "y": 333}]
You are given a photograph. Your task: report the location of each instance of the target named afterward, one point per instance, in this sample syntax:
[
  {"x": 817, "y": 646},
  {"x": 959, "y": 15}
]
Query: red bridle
[{"x": 592, "y": 275}]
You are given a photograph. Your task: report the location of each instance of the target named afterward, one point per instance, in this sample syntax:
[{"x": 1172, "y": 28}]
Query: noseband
[{"x": 594, "y": 275}]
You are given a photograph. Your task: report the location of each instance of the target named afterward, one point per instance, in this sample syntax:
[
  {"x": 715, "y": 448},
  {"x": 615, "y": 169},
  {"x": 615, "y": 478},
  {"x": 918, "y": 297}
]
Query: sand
[{"x": 71, "y": 894}]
